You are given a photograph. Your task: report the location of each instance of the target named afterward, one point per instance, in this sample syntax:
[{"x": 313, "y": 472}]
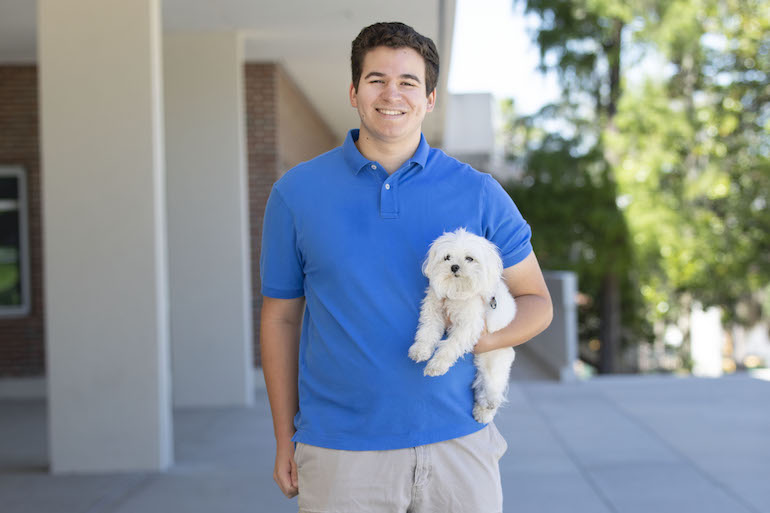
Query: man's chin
[{"x": 391, "y": 135}]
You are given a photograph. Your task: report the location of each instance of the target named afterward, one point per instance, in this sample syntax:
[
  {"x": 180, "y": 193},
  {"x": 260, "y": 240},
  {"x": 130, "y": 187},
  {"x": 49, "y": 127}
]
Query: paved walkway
[{"x": 616, "y": 444}]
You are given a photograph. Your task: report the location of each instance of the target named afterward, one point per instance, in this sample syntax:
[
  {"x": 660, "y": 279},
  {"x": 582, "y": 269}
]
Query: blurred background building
[{"x": 139, "y": 142}]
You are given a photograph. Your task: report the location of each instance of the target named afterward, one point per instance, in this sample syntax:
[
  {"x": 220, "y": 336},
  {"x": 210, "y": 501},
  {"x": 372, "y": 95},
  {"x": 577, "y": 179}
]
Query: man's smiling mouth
[{"x": 389, "y": 112}]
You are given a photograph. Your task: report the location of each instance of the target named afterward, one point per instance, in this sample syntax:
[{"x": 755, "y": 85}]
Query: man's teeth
[{"x": 390, "y": 112}]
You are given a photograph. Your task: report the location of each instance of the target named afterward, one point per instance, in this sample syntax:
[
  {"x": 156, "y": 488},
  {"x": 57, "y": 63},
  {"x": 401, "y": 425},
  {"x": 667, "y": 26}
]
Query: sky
[{"x": 493, "y": 52}]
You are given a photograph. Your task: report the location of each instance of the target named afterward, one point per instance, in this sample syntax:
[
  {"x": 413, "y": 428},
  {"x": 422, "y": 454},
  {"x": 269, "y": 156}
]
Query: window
[{"x": 14, "y": 252}]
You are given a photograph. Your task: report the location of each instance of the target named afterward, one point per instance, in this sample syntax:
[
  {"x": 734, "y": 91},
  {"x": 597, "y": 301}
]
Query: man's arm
[
  {"x": 280, "y": 326},
  {"x": 534, "y": 310}
]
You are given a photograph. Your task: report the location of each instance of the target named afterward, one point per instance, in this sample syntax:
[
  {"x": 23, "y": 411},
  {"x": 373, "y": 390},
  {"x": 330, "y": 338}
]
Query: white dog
[{"x": 466, "y": 288}]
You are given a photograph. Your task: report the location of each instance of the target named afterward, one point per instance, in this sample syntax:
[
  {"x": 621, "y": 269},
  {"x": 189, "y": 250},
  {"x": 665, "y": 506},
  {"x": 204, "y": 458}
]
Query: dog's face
[{"x": 461, "y": 265}]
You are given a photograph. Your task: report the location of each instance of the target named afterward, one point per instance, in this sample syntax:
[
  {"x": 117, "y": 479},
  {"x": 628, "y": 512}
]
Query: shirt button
[
  {"x": 387, "y": 186},
  {"x": 374, "y": 167}
]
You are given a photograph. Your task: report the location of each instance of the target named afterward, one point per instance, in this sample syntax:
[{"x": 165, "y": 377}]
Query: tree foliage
[{"x": 655, "y": 165}]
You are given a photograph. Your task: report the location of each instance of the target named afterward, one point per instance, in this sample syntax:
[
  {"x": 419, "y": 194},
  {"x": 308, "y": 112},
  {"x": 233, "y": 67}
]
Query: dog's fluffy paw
[
  {"x": 436, "y": 367},
  {"x": 484, "y": 414},
  {"x": 419, "y": 352}
]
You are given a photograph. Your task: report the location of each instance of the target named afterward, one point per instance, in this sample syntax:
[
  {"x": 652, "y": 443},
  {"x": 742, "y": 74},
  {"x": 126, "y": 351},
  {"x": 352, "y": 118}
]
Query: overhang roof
[{"x": 311, "y": 39}]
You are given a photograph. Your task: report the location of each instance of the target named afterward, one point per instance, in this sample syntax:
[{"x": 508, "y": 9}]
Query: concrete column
[
  {"x": 707, "y": 340},
  {"x": 104, "y": 235},
  {"x": 211, "y": 328},
  {"x": 556, "y": 347}
]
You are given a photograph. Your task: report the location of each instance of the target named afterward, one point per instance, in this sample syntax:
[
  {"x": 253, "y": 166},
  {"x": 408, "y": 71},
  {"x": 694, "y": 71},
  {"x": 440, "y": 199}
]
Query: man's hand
[{"x": 285, "y": 473}]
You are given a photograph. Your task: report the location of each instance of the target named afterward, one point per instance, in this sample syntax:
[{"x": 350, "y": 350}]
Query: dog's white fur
[{"x": 465, "y": 274}]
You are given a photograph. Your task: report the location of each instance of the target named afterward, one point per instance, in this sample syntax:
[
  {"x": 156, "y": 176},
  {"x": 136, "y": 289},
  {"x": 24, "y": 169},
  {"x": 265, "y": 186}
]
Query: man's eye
[
  {"x": 469, "y": 259},
  {"x": 407, "y": 84},
  {"x": 447, "y": 257}
]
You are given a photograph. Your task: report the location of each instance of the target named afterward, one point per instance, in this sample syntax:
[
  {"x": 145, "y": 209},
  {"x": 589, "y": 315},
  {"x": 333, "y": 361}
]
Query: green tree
[
  {"x": 682, "y": 154},
  {"x": 582, "y": 40},
  {"x": 696, "y": 155}
]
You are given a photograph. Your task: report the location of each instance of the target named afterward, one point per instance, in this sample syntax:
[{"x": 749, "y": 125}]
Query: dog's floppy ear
[
  {"x": 435, "y": 253},
  {"x": 428, "y": 264},
  {"x": 493, "y": 265}
]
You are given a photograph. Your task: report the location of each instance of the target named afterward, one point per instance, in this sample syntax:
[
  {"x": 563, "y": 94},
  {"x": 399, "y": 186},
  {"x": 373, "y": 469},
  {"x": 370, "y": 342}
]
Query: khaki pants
[{"x": 461, "y": 475}]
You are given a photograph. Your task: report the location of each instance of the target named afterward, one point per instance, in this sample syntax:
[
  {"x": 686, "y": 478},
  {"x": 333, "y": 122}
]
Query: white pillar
[
  {"x": 211, "y": 328},
  {"x": 706, "y": 341},
  {"x": 557, "y": 346},
  {"x": 104, "y": 235}
]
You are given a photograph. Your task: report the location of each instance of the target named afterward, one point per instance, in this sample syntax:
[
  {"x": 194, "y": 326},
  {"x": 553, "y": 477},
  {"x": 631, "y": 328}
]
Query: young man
[{"x": 344, "y": 238}]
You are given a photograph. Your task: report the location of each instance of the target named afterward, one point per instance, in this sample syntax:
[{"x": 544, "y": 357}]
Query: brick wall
[
  {"x": 282, "y": 129},
  {"x": 21, "y": 339},
  {"x": 261, "y": 136}
]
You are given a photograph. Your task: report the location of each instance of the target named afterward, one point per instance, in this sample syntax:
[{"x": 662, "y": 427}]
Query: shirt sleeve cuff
[
  {"x": 517, "y": 256},
  {"x": 282, "y": 293}
]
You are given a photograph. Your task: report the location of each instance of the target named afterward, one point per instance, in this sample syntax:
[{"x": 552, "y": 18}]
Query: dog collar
[{"x": 493, "y": 303}]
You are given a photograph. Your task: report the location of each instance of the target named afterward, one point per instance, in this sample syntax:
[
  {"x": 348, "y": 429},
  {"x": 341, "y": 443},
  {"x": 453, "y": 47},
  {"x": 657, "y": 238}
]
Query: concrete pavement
[{"x": 622, "y": 444}]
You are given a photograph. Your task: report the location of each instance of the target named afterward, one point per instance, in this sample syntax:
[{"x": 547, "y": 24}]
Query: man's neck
[{"x": 391, "y": 156}]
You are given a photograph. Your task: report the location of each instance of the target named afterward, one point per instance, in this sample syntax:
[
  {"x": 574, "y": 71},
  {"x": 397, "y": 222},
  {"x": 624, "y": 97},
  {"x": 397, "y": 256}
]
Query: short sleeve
[
  {"x": 280, "y": 263},
  {"x": 503, "y": 224}
]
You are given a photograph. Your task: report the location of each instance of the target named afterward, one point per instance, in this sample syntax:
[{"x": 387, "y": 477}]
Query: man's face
[{"x": 391, "y": 99}]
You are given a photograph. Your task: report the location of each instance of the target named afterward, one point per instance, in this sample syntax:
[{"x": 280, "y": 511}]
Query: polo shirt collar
[{"x": 356, "y": 161}]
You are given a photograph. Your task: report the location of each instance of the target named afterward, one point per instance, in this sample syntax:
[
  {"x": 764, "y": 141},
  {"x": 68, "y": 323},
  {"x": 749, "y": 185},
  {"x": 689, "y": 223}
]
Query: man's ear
[
  {"x": 431, "y": 101},
  {"x": 353, "y": 99}
]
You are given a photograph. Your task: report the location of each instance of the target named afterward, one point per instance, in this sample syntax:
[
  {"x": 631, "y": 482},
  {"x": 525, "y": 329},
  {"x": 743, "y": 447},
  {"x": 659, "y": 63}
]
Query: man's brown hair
[{"x": 394, "y": 35}]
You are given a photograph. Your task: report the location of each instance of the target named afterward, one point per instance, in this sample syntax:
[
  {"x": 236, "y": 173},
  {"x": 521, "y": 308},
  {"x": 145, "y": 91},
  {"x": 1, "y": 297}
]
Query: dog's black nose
[{"x": 455, "y": 268}]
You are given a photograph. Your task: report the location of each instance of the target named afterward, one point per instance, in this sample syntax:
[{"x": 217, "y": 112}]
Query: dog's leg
[
  {"x": 483, "y": 412},
  {"x": 491, "y": 382},
  {"x": 463, "y": 335},
  {"x": 430, "y": 328}
]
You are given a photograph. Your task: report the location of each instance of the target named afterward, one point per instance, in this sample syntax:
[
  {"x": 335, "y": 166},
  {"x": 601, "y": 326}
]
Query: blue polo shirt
[{"x": 351, "y": 238}]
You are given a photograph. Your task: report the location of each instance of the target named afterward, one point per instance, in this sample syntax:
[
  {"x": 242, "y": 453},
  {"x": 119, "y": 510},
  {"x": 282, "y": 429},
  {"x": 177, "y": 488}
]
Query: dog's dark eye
[
  {"x": 447, "y": 257},
  {"x": 469, "y": 259}
]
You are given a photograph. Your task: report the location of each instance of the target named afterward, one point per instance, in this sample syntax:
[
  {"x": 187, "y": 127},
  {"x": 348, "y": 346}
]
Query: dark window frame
[{"x": 22, "y": 309}]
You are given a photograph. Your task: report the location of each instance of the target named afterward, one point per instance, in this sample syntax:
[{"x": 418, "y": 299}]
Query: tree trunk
[
  {"x": 613, "y": 56},
  {"x": 609, "y": 329}
]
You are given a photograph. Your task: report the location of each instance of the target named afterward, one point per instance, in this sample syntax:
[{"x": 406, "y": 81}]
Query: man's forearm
[
  {"x": 533, "y": 315},
  {"x": 279, "y": 343}
]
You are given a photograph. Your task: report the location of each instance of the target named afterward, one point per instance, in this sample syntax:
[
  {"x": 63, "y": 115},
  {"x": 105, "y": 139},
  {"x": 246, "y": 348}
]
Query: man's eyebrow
[{"x": 405, "y": 75}]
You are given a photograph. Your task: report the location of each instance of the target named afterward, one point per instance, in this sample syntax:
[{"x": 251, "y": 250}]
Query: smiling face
[{"x": 391, "y": 97}]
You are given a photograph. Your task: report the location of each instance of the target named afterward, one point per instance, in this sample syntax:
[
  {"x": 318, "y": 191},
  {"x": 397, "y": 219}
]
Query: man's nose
[
  {"x": 455, "y": 268},
  {"x": 391, "y": 90}
]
